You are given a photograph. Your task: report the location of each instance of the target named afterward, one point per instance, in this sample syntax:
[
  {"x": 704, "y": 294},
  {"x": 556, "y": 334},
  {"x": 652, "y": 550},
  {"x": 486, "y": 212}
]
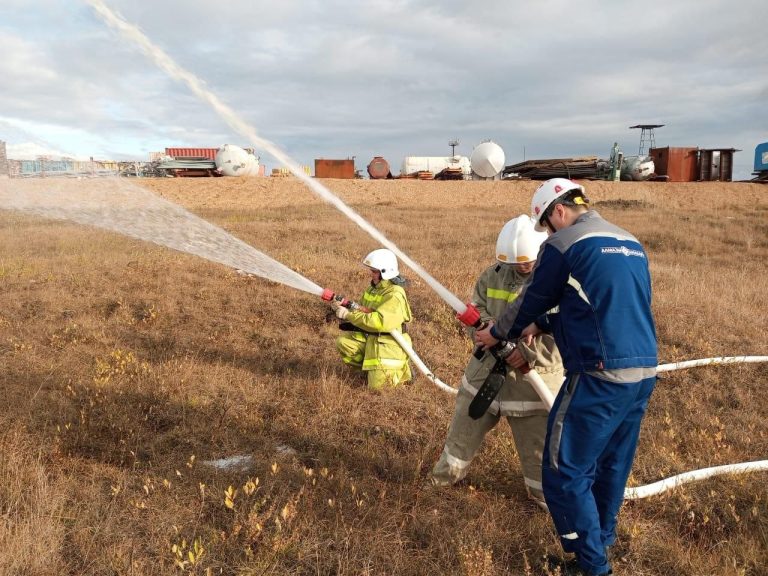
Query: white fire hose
[
  {"x": 411, "y": 353},
  {"x": 532, "y": 377},
  {"x": 639, "y": 491},
  {"x": 674, "y": 481},
  {"x": 709, "y": 361}
]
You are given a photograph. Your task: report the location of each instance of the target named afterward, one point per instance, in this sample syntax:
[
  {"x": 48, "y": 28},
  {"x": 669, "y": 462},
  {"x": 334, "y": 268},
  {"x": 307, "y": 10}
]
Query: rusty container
[
  {"x": 378, "y": 169},
  {"x": 679, "y": 164},
  {"x": 207, "y": 153},
  {"x": 334, "y": 168},
  {"x": 716, "y": 164}
]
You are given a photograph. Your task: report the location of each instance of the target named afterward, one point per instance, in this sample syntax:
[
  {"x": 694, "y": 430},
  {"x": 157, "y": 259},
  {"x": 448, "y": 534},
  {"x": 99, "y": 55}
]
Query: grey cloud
[{"x": 399, "y": 77}]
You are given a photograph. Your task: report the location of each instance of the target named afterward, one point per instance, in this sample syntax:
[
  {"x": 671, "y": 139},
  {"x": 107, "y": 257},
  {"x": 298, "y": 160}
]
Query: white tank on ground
[
  {"x": 637, "y": 168},
  {"x": 435, "y": 164},
  {"x": 232, "y": 160},
  {"x": 488, "y": 160}
]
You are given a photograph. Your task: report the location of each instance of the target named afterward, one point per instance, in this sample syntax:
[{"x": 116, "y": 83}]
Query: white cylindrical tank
[
  {"x": 434, "y": 164},
  {"x": 637, "y": 168},
  {"x": 488, "y": 160},
  {"x": 232, "y": 160}
]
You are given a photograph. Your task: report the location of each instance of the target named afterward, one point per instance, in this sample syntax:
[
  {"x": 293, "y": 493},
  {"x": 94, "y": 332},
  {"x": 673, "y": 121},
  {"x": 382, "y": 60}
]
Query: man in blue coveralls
[{"x": 598, "y": 275}]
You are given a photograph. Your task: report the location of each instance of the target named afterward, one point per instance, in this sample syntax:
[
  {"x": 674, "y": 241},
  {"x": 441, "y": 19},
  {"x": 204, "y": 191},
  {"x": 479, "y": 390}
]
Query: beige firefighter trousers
[{"x": 526, "y": 414}]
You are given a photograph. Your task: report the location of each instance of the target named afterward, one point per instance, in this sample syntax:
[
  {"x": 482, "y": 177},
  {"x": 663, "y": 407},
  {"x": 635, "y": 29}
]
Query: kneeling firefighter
[
  {"x": 516, "y": 249},
  {"x": 382, "y": 308}
]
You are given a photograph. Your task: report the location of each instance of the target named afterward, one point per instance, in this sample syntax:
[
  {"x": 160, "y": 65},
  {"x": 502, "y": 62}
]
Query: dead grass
[
  {"x": 126, "y": 365},
  {"x": 32, "y": 527}
]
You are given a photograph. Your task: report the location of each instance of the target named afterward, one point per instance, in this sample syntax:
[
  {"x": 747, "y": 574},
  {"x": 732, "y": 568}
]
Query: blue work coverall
[{"x": 597, "y": 273}]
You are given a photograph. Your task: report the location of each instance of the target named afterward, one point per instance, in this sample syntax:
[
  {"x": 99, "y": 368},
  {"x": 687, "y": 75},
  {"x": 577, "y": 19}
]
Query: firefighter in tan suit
[{"x": 516, "y": 249}]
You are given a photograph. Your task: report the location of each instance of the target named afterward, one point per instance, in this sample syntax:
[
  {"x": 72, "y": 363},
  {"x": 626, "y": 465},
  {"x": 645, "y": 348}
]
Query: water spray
[
  {"x": 120, "y": 206},
  {"x": 465, "y": 312}
]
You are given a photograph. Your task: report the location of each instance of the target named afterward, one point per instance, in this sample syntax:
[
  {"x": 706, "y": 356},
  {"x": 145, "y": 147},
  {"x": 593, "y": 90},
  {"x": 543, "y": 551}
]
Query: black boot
[{"x": 570, "y": 567}]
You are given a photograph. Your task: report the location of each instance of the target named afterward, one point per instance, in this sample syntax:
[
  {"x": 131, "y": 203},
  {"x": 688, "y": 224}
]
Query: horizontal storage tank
[
  {"x": 488, "y": 160},
  {"x": 435, "y": 164},
  {"x": 207, "y": 153},
  {"x": 232, "y": 160},
  {"x": 334, "y": 168},
  {"x": 761, "y": 157},
  {"x": 637, "y": 168},
  {"x": 378, "y": 168}
]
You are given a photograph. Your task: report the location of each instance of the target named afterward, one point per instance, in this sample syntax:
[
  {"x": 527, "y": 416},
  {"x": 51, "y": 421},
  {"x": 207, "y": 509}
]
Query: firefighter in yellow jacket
[
  {"x": 516, "y": 250},
  {"x": 383, "y": 307}
]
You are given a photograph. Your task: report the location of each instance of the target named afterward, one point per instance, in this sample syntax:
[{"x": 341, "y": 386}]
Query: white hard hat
[
  {"x": 384, "y": 261},
  {"x": 547, "y": 193},
  {"x": 519, "y": 241}
]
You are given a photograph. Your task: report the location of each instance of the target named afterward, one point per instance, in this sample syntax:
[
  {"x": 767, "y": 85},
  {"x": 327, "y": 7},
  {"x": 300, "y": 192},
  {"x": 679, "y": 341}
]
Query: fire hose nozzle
[
  {"x": 470, "y": 316},
  {"x": 327, "y": 295}
]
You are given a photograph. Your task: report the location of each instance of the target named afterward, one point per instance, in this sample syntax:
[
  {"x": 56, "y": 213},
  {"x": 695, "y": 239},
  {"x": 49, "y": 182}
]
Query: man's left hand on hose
[
  {"x": 341, "y": 312},
  {"x": 530, "y": 332},
  {"x": 484, "y": 337},
  {"x": 516, "y": 359}
]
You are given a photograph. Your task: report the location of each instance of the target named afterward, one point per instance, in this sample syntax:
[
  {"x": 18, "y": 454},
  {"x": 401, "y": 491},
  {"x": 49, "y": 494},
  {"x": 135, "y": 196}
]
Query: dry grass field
[{"x": 125, "y": 366}]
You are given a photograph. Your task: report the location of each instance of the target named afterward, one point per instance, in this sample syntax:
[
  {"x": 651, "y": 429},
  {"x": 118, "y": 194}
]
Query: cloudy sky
[{"x": 334, "y": 79}]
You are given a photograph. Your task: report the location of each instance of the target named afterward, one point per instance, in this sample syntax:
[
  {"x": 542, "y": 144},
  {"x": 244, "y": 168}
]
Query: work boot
[{"x": 570, "y": 567}]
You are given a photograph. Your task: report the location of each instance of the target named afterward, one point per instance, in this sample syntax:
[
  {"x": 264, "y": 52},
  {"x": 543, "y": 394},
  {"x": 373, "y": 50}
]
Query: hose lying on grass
[{"x": 639, "y": 491}]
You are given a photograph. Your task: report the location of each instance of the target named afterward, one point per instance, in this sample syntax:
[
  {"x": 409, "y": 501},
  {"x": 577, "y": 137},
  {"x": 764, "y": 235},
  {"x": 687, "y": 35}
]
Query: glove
[{"x": 341, "y": 312}]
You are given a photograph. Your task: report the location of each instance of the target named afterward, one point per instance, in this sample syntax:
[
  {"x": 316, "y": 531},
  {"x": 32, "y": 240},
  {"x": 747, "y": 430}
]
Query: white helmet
[
  {"x": 518, "y": 241},
  {"x": 547, "y": 193},
  {"x": 384, "y": 261}
]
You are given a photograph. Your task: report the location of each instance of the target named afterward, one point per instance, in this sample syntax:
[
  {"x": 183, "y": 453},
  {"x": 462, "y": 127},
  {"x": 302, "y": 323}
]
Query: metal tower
[{"x": 646, "y": 136}]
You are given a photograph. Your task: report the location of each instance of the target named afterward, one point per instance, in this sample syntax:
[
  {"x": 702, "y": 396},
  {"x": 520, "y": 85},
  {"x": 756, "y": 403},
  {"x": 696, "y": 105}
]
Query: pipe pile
[{"x": 574, "y": 168}]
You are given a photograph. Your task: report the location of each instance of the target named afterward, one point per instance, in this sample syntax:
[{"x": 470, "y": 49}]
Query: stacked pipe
[{"x": 578, "y": 168}]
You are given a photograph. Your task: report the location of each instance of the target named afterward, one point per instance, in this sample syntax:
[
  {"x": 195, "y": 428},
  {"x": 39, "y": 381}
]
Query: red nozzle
[
  {"x": 470, "y": 316},
  {"x": 327, "y": 295}
]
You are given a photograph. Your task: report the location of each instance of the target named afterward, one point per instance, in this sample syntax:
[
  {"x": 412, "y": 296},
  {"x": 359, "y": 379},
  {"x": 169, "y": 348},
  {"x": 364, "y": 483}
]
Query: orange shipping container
[
  {"x": 680, "y": 164},
  {"x": 207, "y": 153},
  {"x": 334, "y": 168}
]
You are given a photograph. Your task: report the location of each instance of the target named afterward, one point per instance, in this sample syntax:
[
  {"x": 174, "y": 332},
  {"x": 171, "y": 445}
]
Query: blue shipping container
[{"x": 761, "y": 157}]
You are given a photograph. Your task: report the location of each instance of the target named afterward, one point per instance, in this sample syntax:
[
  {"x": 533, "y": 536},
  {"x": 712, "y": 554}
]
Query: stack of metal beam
[
  {"x": 580, "y": 168},
  {"x": 188, "y": 166}
]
